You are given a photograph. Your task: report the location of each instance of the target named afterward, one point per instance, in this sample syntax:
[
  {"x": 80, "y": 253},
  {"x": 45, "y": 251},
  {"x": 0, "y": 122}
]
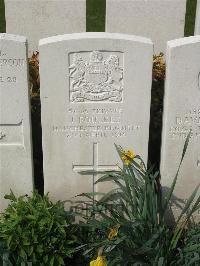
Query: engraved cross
[{"x": 94, "y": 168}]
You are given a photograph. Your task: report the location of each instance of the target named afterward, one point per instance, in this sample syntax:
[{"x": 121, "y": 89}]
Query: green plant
[
  {"x": 189, "y": 251},
  {"x": 132, "y": 229},
  {"x": 33, "y": 229}
]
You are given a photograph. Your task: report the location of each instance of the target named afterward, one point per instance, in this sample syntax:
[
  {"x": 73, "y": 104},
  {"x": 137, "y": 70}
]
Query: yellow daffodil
[
  {"x": 127, "y": 157},
  {"x": 100, "y": 261},
  {"x": 113, "y": 232}
]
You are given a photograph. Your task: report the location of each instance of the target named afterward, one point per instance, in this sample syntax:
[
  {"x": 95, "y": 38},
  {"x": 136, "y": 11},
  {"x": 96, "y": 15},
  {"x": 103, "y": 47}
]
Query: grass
[
  {"x": 2, "y": 17},
  {"x": 96, "y": 16},
  {"x": 190, "y": 17}
]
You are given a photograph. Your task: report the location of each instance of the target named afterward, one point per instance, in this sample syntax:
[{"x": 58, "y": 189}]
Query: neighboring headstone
[
  {"x": 159, "y": 20},
  {"x": 197, "y": 22},
  {"x": 15, "y": 136},
  {"x": 181, "y": 114},
  {"x": 38, "y": 19},
  {"x": 95, "y": 91}
]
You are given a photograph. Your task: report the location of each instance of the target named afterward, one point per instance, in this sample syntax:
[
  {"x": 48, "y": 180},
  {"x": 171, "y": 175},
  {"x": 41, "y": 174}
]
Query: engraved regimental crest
[{"x": 98, "y": 78}]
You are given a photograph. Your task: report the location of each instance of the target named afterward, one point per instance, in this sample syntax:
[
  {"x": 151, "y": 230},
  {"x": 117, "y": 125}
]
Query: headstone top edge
[
  {"x": 44, "y": 0},
  {"x": 95, "y": 35},
  {"x": 182, "y": 1},
  {"x": 183, "y": 41},
  {"x": 12, "y": 37}
]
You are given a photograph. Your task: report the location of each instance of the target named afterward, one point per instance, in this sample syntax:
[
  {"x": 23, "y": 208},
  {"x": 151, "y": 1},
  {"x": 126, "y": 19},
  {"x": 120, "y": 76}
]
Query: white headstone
[
  {"x": 182, "y": 113},
  {"x": 38, "y": 19},
  {"x": 197, "y": 22},
  {"x": 15, "y": 135},
  {"x": 95, "y": 91},
  {"x": 159, "y": 20}
]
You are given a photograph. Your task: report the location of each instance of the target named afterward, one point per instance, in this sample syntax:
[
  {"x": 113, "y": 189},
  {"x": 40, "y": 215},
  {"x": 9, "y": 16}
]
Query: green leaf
[
  {"x": 22, "y": 254},
  {"x": 109, "y": 177},
  {"x": 51, "y": 263},
  {"x": 60, "y": 260},
  {"x": 161, "y": 261},
  {"x": 45, "y": 259},
  {"x": 188, "y": 204},
  {"x": 10, "y": 196},
  {"x": 169, "y": 194}
]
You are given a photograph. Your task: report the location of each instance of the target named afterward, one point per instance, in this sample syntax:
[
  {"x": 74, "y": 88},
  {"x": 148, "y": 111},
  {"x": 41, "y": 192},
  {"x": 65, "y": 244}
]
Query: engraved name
[{"x": 189, "y": 122}]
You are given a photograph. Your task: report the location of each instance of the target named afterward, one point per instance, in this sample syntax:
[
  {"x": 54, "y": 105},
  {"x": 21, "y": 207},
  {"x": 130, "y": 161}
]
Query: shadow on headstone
[{"x": 174, "y": 209}]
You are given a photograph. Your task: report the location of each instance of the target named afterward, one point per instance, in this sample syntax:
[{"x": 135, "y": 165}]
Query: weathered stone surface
[
  {"x": 160, "y": 20},
  {"x": 38, "y": 19},
  {"x": 95, "y": 91},
  {"x": 197, "y": 22},
  {"x": 15, "y": 135},
  {"x": 182, "y": 114}
]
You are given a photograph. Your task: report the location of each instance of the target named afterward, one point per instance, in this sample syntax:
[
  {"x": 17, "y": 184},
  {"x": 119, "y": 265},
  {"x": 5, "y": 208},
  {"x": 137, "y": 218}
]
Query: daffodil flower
[
  {"x": 100, "y": 261},
  {"x": 113, "y": 232},
  {"x": 127, "y": 157}
]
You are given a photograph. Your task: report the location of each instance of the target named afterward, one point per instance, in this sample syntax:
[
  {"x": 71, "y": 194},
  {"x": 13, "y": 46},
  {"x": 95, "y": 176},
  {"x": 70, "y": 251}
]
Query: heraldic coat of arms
[{"x": 97, "y": 80}]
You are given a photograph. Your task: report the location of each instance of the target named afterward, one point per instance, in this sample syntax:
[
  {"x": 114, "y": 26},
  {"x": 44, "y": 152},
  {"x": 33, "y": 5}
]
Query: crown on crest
[{"x": 96, "y": 57}]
